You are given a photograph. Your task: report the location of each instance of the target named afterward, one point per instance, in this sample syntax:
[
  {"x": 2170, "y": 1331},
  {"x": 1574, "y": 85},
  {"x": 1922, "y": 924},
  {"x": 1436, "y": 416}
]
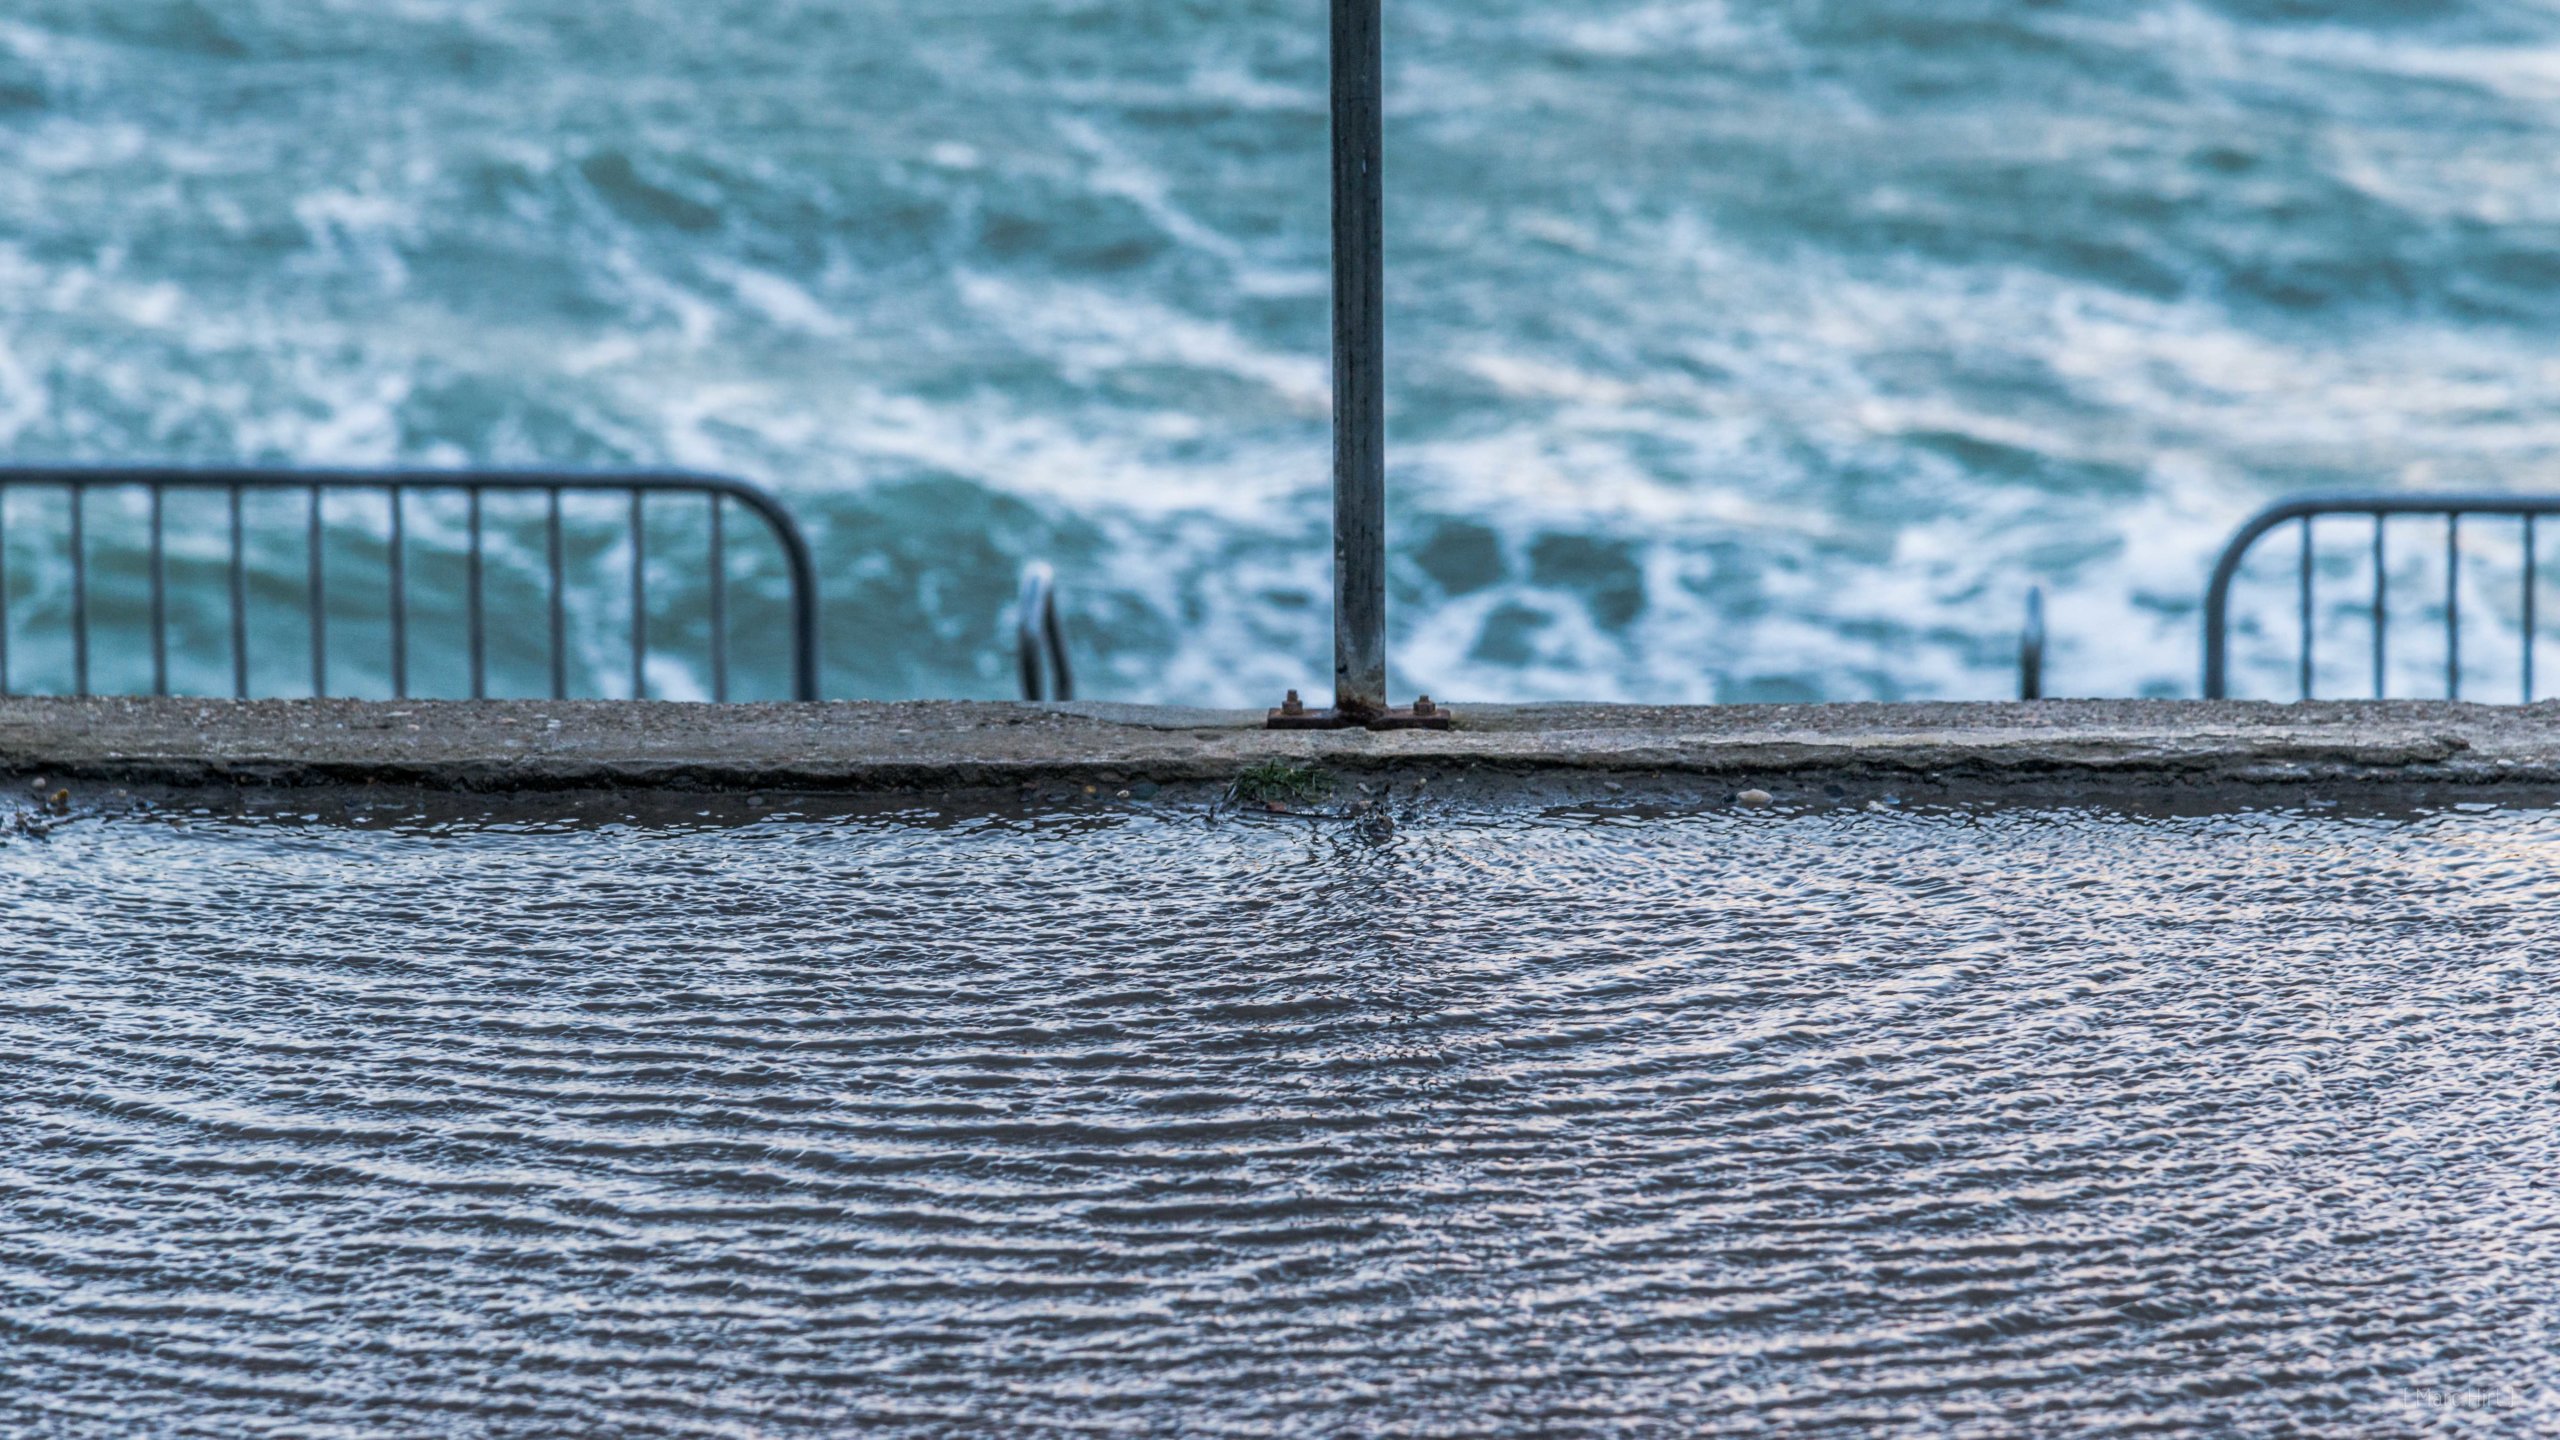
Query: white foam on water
[{"x": 1823, "y": 336}]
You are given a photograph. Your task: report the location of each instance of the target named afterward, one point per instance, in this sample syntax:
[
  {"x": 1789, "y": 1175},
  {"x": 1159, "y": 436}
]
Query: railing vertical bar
[
  {"x": 719, "y": 602},
  {"x": 476, "y": 605},
  {"x": 4, "y": 590},
  {"x": 639, "y": 596},
  {"x": 2381, "y": 610},
  {"x": 2453, "y": 606},
  {"x": 399, "y": 597},
  {"x": 1359, "y": 361},
  {"x": 2310, "y": 612},
  {"x": 239, "y": 597},
  {"x": 79, "y": 590},
  {"x": 2532, "y": 577},
  {"x": 159, "y": 501},
  {"x": 317, "y": 542},
  {"x": 559, "y": 605}
]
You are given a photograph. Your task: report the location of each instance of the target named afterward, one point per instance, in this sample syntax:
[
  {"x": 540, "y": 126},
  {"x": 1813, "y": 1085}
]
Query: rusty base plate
[
  {"x": 1422, "y": 715},
  {"x": 1412, "y": 719},
  {"x": 1302, "y": 719}
]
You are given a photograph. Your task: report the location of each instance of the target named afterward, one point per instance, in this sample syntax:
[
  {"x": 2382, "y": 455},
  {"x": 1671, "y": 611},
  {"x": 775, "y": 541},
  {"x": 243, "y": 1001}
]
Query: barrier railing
[
  {"x": 2302, "y": 513},
  {"x": 157, "y": 484}
]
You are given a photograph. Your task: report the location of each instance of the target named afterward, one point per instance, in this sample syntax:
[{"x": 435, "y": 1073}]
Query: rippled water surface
[
  {"x": 1741, "y": 351},
  {"x": 1127, "y": 1122}
]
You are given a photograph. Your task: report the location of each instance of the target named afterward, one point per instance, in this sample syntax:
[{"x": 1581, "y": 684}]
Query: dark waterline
[{"x": 1963, "y": 1122}]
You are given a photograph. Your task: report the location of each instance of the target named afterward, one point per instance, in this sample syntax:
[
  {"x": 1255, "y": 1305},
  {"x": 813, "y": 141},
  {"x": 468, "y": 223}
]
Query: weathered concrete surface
[{"x": 943, "y": 745}]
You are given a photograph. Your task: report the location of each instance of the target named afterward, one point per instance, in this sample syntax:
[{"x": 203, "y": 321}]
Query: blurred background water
[{"x": 1740, "y": 352}]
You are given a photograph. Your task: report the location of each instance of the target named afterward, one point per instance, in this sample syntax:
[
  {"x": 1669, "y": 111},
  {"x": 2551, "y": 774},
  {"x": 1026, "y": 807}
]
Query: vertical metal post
[
  {"x": 317, "y": 537},
  {"x": 79, "y": 590},
  {"x": 1359, "y": 361},
  {"x": 3, "y": 590},
  {"x": 559, "y": 606},
  {"x": 477, "y": 608},
  {"x": 2031, "y": 648},
  {"x": 719, "y": 603},
  {"x": 239, "y": 601},
  {"x": 2381, "y": 611},
  {"x": 399, "y": 597},
  {"x": 159, "y": 590},
  {"x": 2532, "y": 579},
  {"x": 2453, "y": 606},
  {"x": 2310, "y": 611},
  {"x": 639, "y": 598}
]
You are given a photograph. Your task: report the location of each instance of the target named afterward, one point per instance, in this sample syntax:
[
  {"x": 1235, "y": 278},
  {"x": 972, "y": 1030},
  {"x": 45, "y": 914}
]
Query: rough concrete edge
[
  {"x": 883, "y": 747},
  {"x": 1982, "y": 761}
]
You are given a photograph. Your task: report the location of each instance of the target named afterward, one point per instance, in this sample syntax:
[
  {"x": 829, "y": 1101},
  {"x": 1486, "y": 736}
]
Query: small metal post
[
  {"x": 639, "y": 599},
  {"x": 2453, "y": 606},
  {"x": 2381, "y": 610},
  {"x": 4, "y": 590},
  {"x": 477, "y": 607},
  {"x": 399, "y": 596},
  {"x": 2310, "y": 610},
  {"x": 719, "y": 602},
  {"x": 239, "y": 600},
  {"x": 317, "y": 541},
  {"x": 2532, "y": 578},
  {"x": 1040, "y": 642},
  {"x": 159, "y": 590},
  {"x": 559, "y": 605},
  {"x": 79, "y": 590},
  {"x": 2031, "y": 649},
  {"x": 1359, "y": 362}
]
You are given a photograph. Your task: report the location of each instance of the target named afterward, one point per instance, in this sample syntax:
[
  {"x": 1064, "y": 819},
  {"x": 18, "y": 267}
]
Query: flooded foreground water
[{"x": 1136, "y": 1122}]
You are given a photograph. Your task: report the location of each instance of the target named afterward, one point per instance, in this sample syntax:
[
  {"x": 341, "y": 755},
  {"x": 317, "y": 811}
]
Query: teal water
[{"x": 1740, "y": 351}]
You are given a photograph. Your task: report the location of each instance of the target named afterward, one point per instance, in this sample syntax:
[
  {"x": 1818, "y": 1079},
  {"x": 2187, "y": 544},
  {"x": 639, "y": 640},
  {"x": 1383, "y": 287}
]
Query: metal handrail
[
  {"x": 2031, "y": 647},
  {"x": 2303, "y": 510},
  {"x": 1040, "y": 641},
  {"x": 397, "y": 485}
]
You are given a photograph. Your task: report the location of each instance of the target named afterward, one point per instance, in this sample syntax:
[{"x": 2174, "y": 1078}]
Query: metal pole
[
  {"x": 79, "y": 590},
  {"x": 559, "y": 606},
  {"x": 4, "y": 593},
  {"x": 159, "y": 590},
  {"x": 399, "y": 597},
  {"x": 2532, "y": 582},
  {"x": 639, "y": 598},
  {"x": 2453, "y": 606},
  {"x": 318, "y": 540},
  {"x": 2381, "y": 609},
  {"x": 719, "y": 603},
  {"x": 1359, "y": 362},
  {"x": 239, "y": 601},
  {"x": 2310, "y": 609},
  {"x": 476, "y": 604},
  {"x": 2031, "y": 648}
]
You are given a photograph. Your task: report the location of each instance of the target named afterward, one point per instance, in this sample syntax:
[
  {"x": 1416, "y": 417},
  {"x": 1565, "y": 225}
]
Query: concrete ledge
[{"x": 854, "y": 747}]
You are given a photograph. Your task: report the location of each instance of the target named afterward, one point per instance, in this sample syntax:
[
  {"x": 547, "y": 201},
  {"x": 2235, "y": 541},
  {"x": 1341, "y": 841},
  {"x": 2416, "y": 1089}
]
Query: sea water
[{"x": 1739, "y": 351}]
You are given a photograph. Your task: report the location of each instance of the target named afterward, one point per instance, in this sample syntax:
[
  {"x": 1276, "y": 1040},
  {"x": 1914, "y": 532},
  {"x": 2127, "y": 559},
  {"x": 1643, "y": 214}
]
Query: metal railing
[
  {"x": 2031, "y": 648},
  {"x": 1040, "y": 642},
  {"x": 2303, "y": 512},
  {"x": 399, "y": 487}
]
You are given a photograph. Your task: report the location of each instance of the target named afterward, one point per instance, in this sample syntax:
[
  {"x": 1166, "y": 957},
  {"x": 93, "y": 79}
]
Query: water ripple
[{"x": 1819, "y": 1124}]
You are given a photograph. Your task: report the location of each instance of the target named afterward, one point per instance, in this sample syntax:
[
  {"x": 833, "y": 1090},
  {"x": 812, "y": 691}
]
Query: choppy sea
[{"x": 1740, "y": 351}]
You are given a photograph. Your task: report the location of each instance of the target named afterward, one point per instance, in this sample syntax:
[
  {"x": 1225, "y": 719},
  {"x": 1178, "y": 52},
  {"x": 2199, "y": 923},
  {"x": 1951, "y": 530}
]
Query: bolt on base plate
[{"x": 1293, "y": 714}]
